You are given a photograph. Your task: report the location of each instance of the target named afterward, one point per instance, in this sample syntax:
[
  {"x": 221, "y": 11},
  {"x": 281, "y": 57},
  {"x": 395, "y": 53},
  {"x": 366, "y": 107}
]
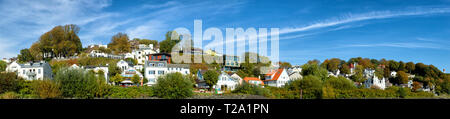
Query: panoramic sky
[{"x": 403, "y": 30}]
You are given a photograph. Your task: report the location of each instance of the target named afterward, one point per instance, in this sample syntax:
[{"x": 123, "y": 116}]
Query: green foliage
[
  {"x": 136, "y": 79},
  {"x": 246, "y": 88},
  {"x": 113, "y": 70},
  {"x": 172, "y": 38},
  {"x": 345, "y": 68},
  {"x": 9, "y": 95},
  {"x": 25, "y": 56},
  {"x": 116, "y": 79},
  {"x": 46, "y": 88},
  {"x": 339, "y": 83},
  {"x": 3, "y": 66},
  {"x": 10, "y": 82},
  {"x": 211, "y": 77},
  {"x": 285, "y": 65},
  {"x": 78, "y": 83},
  {"x": 173, "y": 86},
  {"x": 96, "y": 61},
  {"x": 308, "y": 82},
  {"x": 401, "y": 78},
  {"x": 358, "y": 76},
  {"x": 131, "y": 92},
  {"x": 315, "y": 70},
  {"x": 119, "y": 43},
  {"x": 61, "y": 41},
  {"x": 147, "y": 42}
]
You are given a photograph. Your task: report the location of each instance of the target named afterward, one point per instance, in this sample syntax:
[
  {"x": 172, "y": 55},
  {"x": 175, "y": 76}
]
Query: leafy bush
[
  {"x": 308, "y": 82},
  {"x": 10, "y": 82},
  {"x": 9, "y": 95},
  {"x": 46, "y": 88},
  {"x": 131, "y": 92},
  {"x": 246, "y": 88},
  {"x": 78, "y": 83},
  {"x": 173, "y": 86},
  {"x": 339, "y": 83}
]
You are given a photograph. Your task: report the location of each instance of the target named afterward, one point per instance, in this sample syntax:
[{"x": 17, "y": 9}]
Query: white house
[
  {"x": 141, "y": 53},
  {"x": 237, "y": 77},
  {"x": 296, "y": 68},
  {"x": 277, "y": 78},
  {"x": 225, "y": 82},
  {"x": 123, "y": 65},
  {"x": 154, "y": 69},
  {"x": 31, "y": 71},
  {"x": 373, "y": 80},
  {"x": 295, "y": 75}
]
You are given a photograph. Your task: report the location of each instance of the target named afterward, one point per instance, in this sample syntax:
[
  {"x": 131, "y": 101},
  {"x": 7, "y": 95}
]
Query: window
[
  {"x": 160, "y": 72},
  {"x": 152, "y": 80},
  {"x": 23, "y": 72},
  {"x": 151, "y": 72},
  {"x": 39, "y": 71},
  {"x": 160, "y": 64}
]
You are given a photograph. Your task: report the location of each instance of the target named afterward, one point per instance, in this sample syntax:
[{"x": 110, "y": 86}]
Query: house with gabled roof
[
  {"x": 226, "y": 82},
  {"x": 277, "y": 78}
]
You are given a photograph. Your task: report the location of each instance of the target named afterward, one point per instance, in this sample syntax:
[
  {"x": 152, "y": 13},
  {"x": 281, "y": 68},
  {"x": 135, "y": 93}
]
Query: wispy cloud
[
  {"x": 400, "y": 45},
  {"x": 346, "y": 19},
  {"x": 349, "y": 18}
]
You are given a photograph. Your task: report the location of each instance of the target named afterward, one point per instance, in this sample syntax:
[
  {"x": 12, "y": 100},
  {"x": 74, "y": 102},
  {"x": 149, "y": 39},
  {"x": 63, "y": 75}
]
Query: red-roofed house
[
  {"x": 277, "y": 78},
  {"x": 254, "y": 81}
]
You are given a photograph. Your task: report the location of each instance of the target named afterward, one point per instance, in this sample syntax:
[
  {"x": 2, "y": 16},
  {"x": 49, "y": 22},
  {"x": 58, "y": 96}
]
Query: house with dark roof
[{"x": 32, "y": 70}]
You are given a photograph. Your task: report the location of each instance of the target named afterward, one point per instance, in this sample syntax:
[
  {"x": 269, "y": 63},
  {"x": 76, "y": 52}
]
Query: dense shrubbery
[
  {"x": 79, "y": 83},
  {"x": 246, "y": 88},
  {"x": 131, "y": 92},
  {"x": 173, "y": 86},
  {"x": 46, "y": 88},
  {"x": 10, "y": 82}
]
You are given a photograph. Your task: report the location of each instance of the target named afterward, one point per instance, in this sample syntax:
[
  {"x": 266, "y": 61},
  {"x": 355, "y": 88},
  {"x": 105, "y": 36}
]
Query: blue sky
[{"x": 403, "y": 30}]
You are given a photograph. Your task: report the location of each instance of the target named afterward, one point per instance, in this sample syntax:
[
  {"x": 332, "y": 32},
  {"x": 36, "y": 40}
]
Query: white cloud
[{"x": 24, "y": 21}]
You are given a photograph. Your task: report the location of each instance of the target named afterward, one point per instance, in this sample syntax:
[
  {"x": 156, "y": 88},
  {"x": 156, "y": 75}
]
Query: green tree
[
  {"x": 172, "y": 38},
  {"x": 3, "y": 66},
  {"x": 61, "y": 41},
  {"x": 308, "y": 82},
  {"x": 358, "y": 76},
  {"x": 78, "y": 83},
  {"x": 25, "y": 56},
  {"x": 173, "y": 86},
  {"x": 136, "y": 79},
  {"x": 10, "y": 82},
  {"x": 333, "y": 65},
  {"x": 285, "y": 65},
  {"x": 339, "y": 83},
  {"x": 410, "y": 67},
  {"x": 315, "y": 70},
  {"x": 116, "y": 79},
  {"x": 211, "y": 78},
  {"x": 401, "y": 78},
  {"x": 345, "y": 68},
  {"x": 147, "y": 42},
  {"x": 119, "y": 44}
]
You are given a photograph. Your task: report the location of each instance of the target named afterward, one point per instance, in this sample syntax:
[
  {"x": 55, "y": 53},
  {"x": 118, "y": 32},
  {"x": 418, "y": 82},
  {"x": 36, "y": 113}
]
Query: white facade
[
  {"x": 155, "y": 69},
  {"x": 373, "y": 80},
  {"x": 123, "y": 65},
  {"x": 237, "y": 77},
  {"x": 31, "y": 71},
  {"x": 279, "y": 78},
  {"x": 226, "y": 82}
]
